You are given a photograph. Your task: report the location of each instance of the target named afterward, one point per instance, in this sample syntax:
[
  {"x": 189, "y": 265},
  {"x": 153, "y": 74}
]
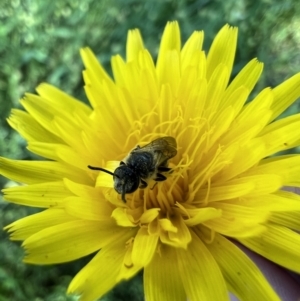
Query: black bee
[{"x": 142, "y": 164}]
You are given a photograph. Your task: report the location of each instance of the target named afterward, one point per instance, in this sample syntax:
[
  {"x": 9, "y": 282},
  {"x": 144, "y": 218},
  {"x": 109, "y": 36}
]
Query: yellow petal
[
  {"x": 201, "y": 215},
  {"x": 235, "y": 230},
  {"x": 94, "y": 74},
  {"x": 289, "y": 219},
  {"x": 216, "y": 87},
  {"x": 285, "y": 94},
  {"x": 262, "y": 102},
  {"x": 282, "y": 136},
  {"x": 46, "y": 150},
  {"x": 75, "y": 158},
  {"x": 88, "y": 209},
  {"x": 192, "y": 47},
  {"x": 179, "y": 236},
  {"x": 134, "y": 45},
  {"x": 241, "y": 133},
  {"x": 222, "y": 50},
  {"x": 237, "y": 221},
  {"x": 44, "y": 112},
  {"x": 32, "y": 172},
  {"x": 194, "y": 107},
  {"x": 128, "y": 269},
  {"x": 149, "y": 215},
  {"x": 229, "y": 190},
  {"x": 102, "y": 269},
  {"x": 69, "y": 241},
  {"x": 278, "y": 244},
  {"x": 30, "y": 129},
  {"x": 62, "y": 100},
  {"x": 169, "y": 53},
  {"x": 122, "y": 218},
  {"x": 246, "y": 78},
  {"x": 66, "y": 130},
  {"x": 27, "y": 226},
  {"x": 43, "y": 195},
  {"x": 105, "y": 179},
  {"x": 248, "y": 214},
  {"x": 236, "y": 101},
  {"x": 286, "y": 167},
  {"x": 169, "y": 73},
  {"x": 167, "y": 225},
  {"x": 162, "y": 279},
  {"x": 264, "y": 183},
  {"x": 199, "y": 272},
  {"x": 242, "y": 276},
  {"x": 246, "y": 157},
  {"x": 84, "y": 191},
  {"x": 144, "y": 247},
  {"x": 273, "y": 203},
  {"x": 253, "y": 185}
]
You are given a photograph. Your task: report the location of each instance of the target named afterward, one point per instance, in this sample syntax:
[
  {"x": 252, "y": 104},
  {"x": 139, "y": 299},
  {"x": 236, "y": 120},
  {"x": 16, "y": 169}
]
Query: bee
[{"x": 141, "y": 165}]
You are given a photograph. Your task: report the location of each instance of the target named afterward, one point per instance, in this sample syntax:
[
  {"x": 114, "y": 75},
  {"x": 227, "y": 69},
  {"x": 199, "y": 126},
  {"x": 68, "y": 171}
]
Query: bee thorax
[{"x": 142, "y": 164}]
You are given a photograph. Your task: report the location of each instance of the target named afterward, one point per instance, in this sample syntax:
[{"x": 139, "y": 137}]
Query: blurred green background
[{"x": 40, "y": 42}]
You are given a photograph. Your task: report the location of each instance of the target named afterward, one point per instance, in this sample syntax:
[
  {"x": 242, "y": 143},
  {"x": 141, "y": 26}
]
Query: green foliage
[{"x": 40, "y": 41}]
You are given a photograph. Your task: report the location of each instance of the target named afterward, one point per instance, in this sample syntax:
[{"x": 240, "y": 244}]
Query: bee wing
[{"x": 162, "y": 148}]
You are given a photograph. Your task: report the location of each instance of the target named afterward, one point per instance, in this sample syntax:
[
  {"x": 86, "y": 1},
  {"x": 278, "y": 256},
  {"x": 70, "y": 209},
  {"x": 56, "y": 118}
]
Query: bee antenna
[{"x": 102, "y": 169}]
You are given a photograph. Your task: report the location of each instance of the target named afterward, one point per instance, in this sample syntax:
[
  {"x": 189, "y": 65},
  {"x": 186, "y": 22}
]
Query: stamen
[
  {"x": 178, "y": 174},
  {"x": 161, "y": 198},
  {"x": 205, "y": 202},
  {"x": 137, "y": 127},
  {"x": 135, "y": 135}
]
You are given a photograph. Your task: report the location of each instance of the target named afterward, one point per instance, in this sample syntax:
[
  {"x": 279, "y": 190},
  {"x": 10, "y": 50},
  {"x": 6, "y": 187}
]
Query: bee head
[{"x": 125, "y": 179}]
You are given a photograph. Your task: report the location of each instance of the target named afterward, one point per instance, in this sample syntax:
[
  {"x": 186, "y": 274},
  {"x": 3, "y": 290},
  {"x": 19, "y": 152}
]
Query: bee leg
[
  {"x": 153, "y": 186},
  {"x": 160, "y": 177},
  {"x": 123, "y": 195},
  {"x": 163, "y": 168},
  {"x": 143, "y": 184}
]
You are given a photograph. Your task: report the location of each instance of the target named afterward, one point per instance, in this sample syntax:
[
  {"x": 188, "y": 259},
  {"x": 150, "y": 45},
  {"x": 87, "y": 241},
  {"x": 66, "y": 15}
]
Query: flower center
[{"x": 182, "y": 200}]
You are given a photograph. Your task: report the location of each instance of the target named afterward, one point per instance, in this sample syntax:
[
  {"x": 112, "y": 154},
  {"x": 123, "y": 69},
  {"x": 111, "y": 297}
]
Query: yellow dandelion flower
[{"x": 224, "y": 183}]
